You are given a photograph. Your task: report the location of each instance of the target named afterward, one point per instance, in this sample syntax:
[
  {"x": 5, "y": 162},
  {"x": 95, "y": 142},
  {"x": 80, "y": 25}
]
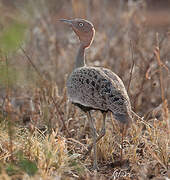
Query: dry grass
[{"x": 42, "y": 135}]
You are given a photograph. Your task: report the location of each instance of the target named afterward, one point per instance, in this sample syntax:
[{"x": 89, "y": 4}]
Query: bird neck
[{"x": 80, "y": 58}]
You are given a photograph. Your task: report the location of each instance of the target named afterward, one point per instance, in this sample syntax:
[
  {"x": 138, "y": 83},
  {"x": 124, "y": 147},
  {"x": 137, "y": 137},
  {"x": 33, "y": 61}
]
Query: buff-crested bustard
[{"x": 95, "y": 88}]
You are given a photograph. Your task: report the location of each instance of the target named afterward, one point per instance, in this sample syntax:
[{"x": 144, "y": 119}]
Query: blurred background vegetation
[
  {"x": 37, "y": 53},
  {"x": 125, "y": 35}
]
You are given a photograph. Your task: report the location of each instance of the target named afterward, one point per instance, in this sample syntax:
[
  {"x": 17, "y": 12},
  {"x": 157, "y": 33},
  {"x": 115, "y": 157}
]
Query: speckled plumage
[
  {"x": 99, "y": 88},
  {"x": 96, "y": 87}
]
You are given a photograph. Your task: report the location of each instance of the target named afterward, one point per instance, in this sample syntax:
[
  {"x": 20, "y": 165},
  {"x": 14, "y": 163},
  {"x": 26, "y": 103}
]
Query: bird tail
[{"x": 123, "y": 118}]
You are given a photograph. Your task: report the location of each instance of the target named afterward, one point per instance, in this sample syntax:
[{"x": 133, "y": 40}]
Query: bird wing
[
  {"x": 97, "y": 88},
  {"x": 118, "y": 83}
]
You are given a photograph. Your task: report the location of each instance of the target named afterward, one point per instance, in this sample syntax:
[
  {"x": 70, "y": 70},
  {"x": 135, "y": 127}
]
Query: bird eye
[{"x": 81, "y": 24}]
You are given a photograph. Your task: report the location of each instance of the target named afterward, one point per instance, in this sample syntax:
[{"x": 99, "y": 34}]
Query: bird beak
[{"x": 66, "y": 21}]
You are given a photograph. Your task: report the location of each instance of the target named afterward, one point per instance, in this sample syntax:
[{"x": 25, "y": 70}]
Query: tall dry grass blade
[
  {"x": 165, "y": 106},
  {"x": 132, "y": 66},
  {"x": 79, "y": 8}
]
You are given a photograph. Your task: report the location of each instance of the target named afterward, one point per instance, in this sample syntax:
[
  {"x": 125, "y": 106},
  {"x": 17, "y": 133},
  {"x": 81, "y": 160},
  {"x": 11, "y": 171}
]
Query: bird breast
[{"x": 98, "y": 88}]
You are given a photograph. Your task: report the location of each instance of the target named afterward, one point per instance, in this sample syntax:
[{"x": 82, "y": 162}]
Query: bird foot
[
  {"x": 89, "y": 148},
  {"x": 95, "y": 167}
]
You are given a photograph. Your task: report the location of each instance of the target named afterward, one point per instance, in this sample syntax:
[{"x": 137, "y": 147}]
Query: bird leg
[
  {"x": 121, "y": 150},
  {"x": 94, "y": 133},
  {"x": 123, "y": 129},
  {"x": 102, "y": 133}
]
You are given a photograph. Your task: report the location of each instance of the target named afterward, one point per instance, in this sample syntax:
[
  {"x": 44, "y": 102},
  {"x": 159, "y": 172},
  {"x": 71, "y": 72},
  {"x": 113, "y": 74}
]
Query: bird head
[{"x": 83, "y": 29}]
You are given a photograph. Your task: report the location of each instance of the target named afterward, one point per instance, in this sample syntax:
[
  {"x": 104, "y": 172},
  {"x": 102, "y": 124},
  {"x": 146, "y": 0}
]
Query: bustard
[{"x": 95, "y": 88}]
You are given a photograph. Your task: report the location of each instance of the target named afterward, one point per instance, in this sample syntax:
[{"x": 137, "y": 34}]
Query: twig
[
  {"x": 8, "y": 109},
  {"x": 78, "y": 142},
  {"x": 157, "y": 54},
  {"x": 33, "y": 65},
  {"x": 155, "y": 156},
  {"x": 133, "y": 63},
  {"x": 144, "y": 79},
  {"x": 43, "y": 79}
]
